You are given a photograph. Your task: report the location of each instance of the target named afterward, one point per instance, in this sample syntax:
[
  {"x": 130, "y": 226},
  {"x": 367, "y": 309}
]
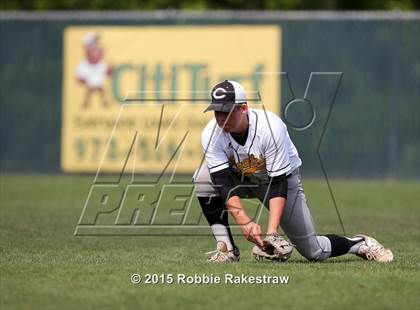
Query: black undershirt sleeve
[
  {"x": 278, "y": 187},
  {"x": 224, "y": 183}
]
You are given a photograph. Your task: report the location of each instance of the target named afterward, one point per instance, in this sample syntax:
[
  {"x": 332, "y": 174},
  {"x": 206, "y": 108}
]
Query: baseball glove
[{"x": 275, "y": 248}]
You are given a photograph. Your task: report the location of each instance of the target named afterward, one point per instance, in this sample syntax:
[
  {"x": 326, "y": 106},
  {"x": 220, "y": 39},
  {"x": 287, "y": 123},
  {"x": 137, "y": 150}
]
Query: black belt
[{"x": 292, "y": 173}]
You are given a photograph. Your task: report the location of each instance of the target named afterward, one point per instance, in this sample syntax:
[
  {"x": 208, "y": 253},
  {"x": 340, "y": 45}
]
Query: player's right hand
[{"x": 252, "y": 232}]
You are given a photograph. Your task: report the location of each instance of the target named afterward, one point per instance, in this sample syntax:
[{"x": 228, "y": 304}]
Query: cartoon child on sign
[{"x": 93, "y": 70}]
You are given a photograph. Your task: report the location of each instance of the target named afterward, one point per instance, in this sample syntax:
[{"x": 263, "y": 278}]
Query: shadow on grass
[{"x": 306, "y": 262}]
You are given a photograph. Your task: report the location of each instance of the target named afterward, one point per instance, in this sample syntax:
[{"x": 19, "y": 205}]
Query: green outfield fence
[{"x": 373, "y": 129}]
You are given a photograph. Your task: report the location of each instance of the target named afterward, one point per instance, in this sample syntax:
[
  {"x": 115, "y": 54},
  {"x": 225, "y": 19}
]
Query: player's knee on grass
[
  {"x": 314, "y": 248},
  {"x": 313, "y": 256}
]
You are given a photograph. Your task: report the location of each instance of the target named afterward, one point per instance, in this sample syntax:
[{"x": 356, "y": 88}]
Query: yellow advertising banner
[{"x": 133, "y": 97}]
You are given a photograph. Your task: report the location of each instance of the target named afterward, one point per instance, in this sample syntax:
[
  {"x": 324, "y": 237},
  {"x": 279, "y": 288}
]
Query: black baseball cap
[{"x": 225, "y": 95}]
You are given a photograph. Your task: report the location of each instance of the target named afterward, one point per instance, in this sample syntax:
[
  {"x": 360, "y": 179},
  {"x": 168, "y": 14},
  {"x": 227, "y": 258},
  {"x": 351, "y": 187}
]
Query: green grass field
[{"x": 44, "y": 266}]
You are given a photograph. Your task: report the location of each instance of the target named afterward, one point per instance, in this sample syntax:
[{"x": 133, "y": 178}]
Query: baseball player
[{"x": 249, "y": 154}]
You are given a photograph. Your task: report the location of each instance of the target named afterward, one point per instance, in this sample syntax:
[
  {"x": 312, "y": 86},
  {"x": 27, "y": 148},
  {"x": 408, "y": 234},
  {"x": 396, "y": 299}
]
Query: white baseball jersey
[
  {"x": 268, "y": 150},
  {"x": 93, "y": 74}
]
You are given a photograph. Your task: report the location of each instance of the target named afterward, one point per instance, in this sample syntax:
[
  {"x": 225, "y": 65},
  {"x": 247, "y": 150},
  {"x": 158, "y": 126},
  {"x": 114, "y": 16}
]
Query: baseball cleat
[
  {"x": 372, "y": 250},
  {"x": 222, "y": 255}
]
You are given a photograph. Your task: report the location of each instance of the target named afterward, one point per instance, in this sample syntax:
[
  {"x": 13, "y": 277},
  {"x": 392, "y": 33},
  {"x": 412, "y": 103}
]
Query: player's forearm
[
  {"x": 235, "y": 208},
  {"x": 276, "y": 211},
  {"x": 251, "y": 230}
]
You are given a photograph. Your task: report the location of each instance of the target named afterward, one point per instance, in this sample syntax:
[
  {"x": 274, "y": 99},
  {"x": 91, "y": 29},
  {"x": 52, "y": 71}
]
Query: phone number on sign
[{"x": 180, "y": 278}]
